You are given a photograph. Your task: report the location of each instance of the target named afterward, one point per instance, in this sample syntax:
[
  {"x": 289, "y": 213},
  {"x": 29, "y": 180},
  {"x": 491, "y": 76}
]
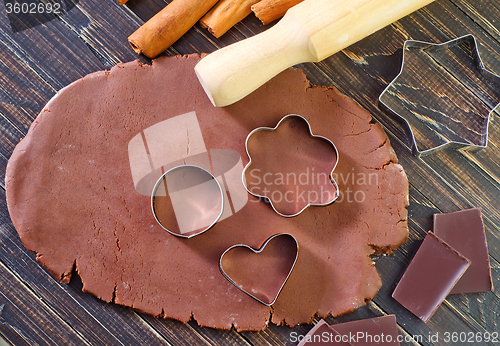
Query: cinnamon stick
[
  {"x": 269, "y": 10},
  {"x": 226, "y": 14},
  {"x": 168, "y": 25}
]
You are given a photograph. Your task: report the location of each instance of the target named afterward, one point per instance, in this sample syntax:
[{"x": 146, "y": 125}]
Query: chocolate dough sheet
[{"x": 78, "y": 194}]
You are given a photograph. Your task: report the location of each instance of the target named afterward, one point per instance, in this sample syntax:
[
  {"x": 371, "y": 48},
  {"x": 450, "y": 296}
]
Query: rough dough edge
[{"x": 65, "y": 277}]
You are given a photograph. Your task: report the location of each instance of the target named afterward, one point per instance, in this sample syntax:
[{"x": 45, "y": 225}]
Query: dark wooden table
[{"x": 92, "y": 35}]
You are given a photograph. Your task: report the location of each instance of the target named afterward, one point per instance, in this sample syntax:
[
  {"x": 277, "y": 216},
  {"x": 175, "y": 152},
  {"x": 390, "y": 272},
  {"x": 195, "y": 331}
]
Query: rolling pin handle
[{"x": 254, "y": 60}]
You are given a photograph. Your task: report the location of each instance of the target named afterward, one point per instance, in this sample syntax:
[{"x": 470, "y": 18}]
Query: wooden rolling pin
[{"x": 309, "y": 32}]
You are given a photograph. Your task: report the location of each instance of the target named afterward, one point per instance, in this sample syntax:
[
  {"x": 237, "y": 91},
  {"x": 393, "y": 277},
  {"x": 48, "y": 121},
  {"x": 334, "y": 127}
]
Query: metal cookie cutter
[
  {"x": 177, "y": 142},
  {"x": 261, "y": 273},
  {"x": 187, "y": 200},
  {"x": 444, "y": 95},
  {"x": 290, "y": 167}
]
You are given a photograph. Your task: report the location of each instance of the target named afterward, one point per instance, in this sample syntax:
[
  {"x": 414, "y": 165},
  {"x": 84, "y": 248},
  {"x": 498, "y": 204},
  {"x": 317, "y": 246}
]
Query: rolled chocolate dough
[{"x": 73, "y": 196}]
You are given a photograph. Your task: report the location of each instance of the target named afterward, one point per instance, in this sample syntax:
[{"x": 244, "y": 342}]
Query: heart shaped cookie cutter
[
  {"x": 261, "y": 273},
  {"x": 290, "y": 167}
]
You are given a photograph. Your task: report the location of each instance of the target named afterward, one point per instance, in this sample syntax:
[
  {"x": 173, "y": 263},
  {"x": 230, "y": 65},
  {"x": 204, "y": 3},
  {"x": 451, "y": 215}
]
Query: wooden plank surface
[{"x": 35, "y": 63}]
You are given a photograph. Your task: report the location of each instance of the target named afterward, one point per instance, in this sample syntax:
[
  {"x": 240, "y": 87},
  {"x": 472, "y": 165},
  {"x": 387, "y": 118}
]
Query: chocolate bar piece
[
  {"x": 464, "y": 231},
  {"x": 370, "y": 332},
  {"x": 430, "y": 276},
  {"x": 322, "y": 334}
]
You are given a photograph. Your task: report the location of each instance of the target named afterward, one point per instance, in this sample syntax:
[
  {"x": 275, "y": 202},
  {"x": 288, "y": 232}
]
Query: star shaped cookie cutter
[{"x": 444, "y": 95}]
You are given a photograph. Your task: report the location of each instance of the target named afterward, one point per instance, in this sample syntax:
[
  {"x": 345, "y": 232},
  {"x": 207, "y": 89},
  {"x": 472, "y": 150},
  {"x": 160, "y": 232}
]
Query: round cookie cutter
[{"x": 187, "y": 200}]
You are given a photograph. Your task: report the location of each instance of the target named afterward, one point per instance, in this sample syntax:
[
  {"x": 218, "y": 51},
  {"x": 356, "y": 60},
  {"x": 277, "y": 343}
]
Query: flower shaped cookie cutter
[
  {"x": 290, "y": 167},
  {"x": 444, "y": 95}
]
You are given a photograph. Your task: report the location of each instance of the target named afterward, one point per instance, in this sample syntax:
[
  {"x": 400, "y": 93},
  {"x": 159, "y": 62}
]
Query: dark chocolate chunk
[
  {"x": 431, "y": 275},
  {"x": 464, "y": 231},
  {"x": 371, "y": 331},
  {"x": 323, "y": 335}
]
